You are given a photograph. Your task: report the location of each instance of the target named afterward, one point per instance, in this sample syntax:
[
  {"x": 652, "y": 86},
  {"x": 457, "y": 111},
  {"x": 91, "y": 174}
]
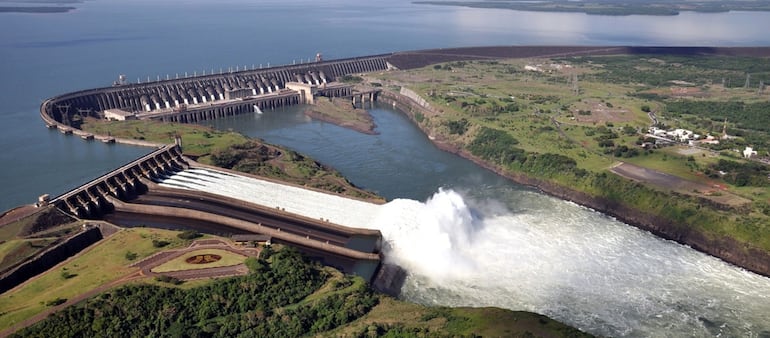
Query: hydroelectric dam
[
  {"x": 167, "y": 189},
  {"x": 574, "y": 265},
  {"x": 166, "y": 185}
]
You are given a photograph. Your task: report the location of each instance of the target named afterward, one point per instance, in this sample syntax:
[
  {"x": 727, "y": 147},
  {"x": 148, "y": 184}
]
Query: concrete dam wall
[
  {"x": 91, "y": 200},
  {"x": 223, "y": 94}
]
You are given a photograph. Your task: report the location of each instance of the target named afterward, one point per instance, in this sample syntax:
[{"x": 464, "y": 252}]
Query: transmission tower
[
  {"x": 64, "y": 110},
  {"x": 748, "y": 81},
  {"x": 84, "y": 112},
  {"x": 575, "y": 86}
]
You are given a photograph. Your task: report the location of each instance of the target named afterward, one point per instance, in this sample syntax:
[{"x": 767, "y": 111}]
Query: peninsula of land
[
  {"x": 612, "y": 7},
  {"x": 40, "y": 9},
  {"x": 342, "y": 113}
]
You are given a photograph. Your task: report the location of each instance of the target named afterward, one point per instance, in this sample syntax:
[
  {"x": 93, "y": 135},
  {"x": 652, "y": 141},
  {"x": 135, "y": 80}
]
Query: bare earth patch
[
  {"x": 203, "y": 259},
  {"x": 716, "y": 193},
  {"x": 601, "y": 113}
]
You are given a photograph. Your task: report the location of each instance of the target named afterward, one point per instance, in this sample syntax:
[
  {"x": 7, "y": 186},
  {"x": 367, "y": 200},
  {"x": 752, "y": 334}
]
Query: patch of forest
[
  {"x": 752, "y": 116},
  {"x": 284, "y": 295},
  {"x": 266, "y": 302},
  {"x": 661, "y": 70}
]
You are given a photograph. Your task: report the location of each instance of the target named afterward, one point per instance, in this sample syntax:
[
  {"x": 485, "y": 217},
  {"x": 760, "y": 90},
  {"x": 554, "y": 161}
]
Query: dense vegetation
[
  {"x": 256, "y": 305},
  {"x": 661, "y": 70},
  {"x": 284, "y": 295},
  {"x": 743, "y": 173},
  {"x": 745, "y": 115}
]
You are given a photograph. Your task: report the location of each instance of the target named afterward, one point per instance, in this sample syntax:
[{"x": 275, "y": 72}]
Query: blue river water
[{"x": 573, "y": 264}]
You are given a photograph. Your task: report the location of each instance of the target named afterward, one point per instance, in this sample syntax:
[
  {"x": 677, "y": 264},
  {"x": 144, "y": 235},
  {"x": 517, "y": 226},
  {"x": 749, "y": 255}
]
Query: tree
[{"x": 189, "y": 234}]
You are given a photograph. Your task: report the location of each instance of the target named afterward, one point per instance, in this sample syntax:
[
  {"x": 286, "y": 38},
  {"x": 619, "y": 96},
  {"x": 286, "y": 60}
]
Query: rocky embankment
[{"x": 725, "y": 248}]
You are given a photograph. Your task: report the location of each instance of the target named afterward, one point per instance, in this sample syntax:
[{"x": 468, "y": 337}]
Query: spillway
[
  {"x": 570, "y": 263},
  {"x": 312, "y": 204}
]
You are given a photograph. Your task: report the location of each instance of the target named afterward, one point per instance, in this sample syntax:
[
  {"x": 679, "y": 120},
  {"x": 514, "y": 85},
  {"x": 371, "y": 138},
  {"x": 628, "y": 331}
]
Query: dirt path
[{"x": 678, "y": 184}]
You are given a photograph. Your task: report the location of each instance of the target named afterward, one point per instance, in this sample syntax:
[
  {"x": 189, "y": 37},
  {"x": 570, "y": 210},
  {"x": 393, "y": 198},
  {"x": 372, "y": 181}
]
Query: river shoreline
[{"x": 726, "y": 249}]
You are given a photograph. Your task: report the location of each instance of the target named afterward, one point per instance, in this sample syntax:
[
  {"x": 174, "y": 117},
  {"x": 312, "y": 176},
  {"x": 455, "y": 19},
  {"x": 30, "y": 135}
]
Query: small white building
[
  {"x": 533, "y": 68},
  {"x": 118, "y": 115},
  {"x": 657, "y": 131},
  {"x": 682, "y": 135},
  {"x": 749, "y": 152}
]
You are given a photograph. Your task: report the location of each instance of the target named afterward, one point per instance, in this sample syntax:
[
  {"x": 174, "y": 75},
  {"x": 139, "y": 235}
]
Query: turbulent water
[{"x": 522, "y": 250}]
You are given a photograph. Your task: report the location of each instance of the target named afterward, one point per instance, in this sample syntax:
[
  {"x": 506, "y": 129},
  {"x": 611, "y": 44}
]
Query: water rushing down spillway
[
  {"x": 570, "y": 263},
  {"x": 317, "y": 205}
]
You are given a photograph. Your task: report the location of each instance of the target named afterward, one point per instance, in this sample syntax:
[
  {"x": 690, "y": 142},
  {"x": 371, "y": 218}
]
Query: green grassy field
[
  {"x": 570, "y": 120},
  {"x": 15, "y": 251},
  {"x": 102, "y": 263},
  {"x": 198, "y": 141},
  {"x": 331, "y": 294}
]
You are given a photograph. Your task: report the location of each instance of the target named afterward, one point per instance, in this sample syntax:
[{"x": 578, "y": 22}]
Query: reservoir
[{"x": 466, "y": 236}]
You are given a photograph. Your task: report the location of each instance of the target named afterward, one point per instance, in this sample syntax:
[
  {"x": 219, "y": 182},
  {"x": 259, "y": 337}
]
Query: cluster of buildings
[
  {"x": 692, "y": 139},
  {"x": 540, "y": 68}
]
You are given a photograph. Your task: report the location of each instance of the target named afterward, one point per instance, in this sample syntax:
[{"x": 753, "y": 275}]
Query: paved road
[
  {"x": 146, "y": 265},
  {"x": 304, "y": 229}
]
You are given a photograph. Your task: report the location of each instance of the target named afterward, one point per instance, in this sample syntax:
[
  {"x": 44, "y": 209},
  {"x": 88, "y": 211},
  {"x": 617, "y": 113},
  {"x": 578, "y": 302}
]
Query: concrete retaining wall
[{"x": 49, "y": 258}]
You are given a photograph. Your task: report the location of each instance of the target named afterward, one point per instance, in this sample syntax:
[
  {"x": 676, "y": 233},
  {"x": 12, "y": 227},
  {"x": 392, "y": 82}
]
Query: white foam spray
[
  {"x": 570, "y": 263},
  {"x": 522, "y": 250}
]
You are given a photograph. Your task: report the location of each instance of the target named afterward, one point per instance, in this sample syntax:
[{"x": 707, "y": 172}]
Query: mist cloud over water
[{"x": 570, "y": 263}]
